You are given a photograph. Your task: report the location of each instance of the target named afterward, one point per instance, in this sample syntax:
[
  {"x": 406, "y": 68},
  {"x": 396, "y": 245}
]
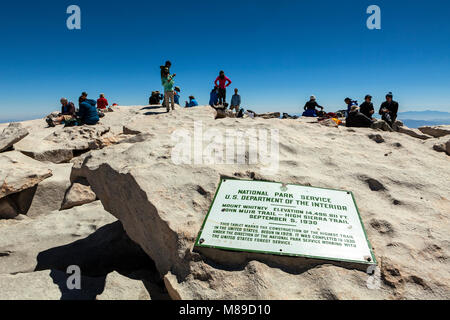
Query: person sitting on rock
[
  {"x": 68, "y": 113},
  {"x": 102, "y": 103},
  {"x": 310, "y": 108},
  {"x": 357, "y": 119},
  {"x": 350, "y": 103},
  {"x": 366, "y": 107},
  {"x": 155, "y": 98},
  {"x": 388, "y": 110},
  {"x": 214, "y": 97},
  {"x": 88, "y": 113},
  {"x": 82, "y": 98},
  {"x": 192, "y": 102}
]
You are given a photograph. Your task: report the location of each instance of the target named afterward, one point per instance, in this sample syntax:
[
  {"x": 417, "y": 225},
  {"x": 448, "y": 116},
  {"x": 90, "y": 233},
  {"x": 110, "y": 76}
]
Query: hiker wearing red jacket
[
  {"x": 222, "y": 82},
  {"x": 102, "y": 103}
]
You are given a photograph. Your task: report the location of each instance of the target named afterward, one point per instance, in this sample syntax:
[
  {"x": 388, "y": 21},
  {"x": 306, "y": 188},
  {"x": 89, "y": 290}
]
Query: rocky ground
[{"x": 112, "y": 200}]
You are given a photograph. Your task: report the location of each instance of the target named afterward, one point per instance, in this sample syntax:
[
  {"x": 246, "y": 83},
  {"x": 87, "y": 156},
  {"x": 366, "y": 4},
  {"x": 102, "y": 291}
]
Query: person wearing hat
[
  {"x": 102, "y": 103},
  {"x": 155, "y": 98},
  {"x": 82, "y": 98},
  {"x": 176, "y": 96},
  {"x": 350, "y": 103},
  {"x": 165, "y": 70},
  {"x": 366, "y": 107},
  {"x": 310, "y": 107},
  {"x": 388, "y": 110},
  {"x": 357, "y": 119},
  {"x": 192, "y": 102},
  {"x": 214, "y": 97},
  {"x": 88, "y": 114}
]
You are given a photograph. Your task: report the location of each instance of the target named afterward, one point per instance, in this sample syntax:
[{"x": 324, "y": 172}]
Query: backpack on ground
[{"x": 71, "y": 123}]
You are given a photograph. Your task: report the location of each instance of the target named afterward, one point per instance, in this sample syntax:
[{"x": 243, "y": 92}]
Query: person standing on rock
[
  {"x": 169, "y": 96},
  {"x": 168, "y": 83},
  {"x": 222, "y": 82},
  {"x": 388, "y": 110},
  {"x": 366, "y": 107},
  {"x": 236, "y": 101}
]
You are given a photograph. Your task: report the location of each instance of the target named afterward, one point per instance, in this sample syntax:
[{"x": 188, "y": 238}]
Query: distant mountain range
[
  {"x": 416, "y": 119},
  {"x": 9, "y": 120}
]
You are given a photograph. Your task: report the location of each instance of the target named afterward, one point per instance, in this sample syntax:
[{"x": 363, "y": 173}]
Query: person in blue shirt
[
  {"x": 236, "y": 101},
  {"x": 350, "y": 103},
  {"x": 177, "y": 95},
  {"x": 192, "y": 102},
  {"x": 88, "y": 113},
  {"x": 214, "y": 97}
]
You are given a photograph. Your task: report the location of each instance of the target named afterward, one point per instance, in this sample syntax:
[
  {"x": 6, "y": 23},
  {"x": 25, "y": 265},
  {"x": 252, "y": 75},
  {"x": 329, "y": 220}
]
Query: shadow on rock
[
  {"x": 152, "y": 107},
  {"x": 90, "y": 287},
  {"x": 154, "y": 113},
  {"x": 106, "y": 250}
]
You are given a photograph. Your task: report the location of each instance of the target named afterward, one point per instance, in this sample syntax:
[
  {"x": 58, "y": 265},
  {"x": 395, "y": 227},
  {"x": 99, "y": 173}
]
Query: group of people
[
  {"x": 358, "y": 116},
  {"x": 171, "y": 94},
  {"x": 89, "y": 111},
  {"x": 218, "y": 95}
]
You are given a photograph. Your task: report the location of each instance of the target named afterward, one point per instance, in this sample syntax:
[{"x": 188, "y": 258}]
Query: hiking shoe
[{"x": 50, "y": 122}]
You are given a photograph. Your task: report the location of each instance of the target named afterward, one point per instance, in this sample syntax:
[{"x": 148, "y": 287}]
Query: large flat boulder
[
  {"x": 162, "y": 202},
  {"x": 415, "y": 133},
  {"x": 12, "y": 134},
  {"x": 48, "y": 285},
  {"x": 32, "y": 286},
  {"x": 18, "y": 173},
  {"x": 53, "y": 285},
  {"x": 60, "y": 145},
  {"x": 23, "y": 240},
  {"x": 436, "y": 131}
]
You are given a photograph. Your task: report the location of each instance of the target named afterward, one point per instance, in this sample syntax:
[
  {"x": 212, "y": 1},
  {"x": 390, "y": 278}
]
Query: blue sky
[{"x": 277, "y": 53}]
